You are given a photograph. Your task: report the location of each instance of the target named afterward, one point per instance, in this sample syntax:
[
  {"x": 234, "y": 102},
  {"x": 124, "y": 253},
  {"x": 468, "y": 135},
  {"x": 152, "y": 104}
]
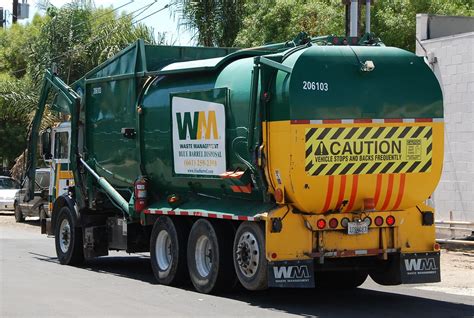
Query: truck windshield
[
  {"x": 61, "y": 149},
  {"x": 42, "y": 179}
]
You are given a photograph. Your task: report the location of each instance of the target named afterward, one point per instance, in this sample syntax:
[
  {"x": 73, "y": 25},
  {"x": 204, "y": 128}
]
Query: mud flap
[
  {"x": 420, "y": 268},
  {"x": 291, "y": 274}
]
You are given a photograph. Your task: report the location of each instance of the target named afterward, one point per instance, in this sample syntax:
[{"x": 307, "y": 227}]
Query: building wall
[{"x": 452, "y": 60}]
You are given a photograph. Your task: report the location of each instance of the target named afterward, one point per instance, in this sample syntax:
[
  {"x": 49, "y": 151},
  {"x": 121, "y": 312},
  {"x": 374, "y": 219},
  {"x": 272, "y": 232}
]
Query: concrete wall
[{"x": 452, "y": 60}]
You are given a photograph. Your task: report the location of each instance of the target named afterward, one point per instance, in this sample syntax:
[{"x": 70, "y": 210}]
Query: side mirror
[{"x": 46, "y": 144}]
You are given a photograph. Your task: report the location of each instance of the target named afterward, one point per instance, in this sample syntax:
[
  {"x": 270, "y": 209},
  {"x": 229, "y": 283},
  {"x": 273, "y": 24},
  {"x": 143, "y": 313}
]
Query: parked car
[
  {"x": 38, "y": 205},
  {"x": 8, "y": 188}
]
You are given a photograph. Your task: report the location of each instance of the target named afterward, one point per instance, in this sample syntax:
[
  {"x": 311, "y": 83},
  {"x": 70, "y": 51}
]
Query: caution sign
[{"x": 368, "y": 150}]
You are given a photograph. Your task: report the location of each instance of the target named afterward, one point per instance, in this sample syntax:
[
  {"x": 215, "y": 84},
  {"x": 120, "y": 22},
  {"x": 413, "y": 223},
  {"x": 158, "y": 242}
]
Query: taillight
[
  {"x": 378, "y": 221},
  {"x": 321, "y": 224},
  {"x": 140, "y": 191},
  {"x": 333, "y": 223},
  {"x": 278, "y": 195},
  {"x": 367, "y": 220},
  {"x": 344, "y": 222},
  {"x": 390, "y": 220}
]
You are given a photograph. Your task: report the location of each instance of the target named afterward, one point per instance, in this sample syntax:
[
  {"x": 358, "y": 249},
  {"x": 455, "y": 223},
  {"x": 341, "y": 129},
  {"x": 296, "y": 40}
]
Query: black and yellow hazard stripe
[{"x": 317, "y": 139}]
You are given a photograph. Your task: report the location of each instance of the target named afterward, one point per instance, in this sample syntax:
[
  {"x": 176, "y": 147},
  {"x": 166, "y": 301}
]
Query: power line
[{"x": 142, "y": 9}]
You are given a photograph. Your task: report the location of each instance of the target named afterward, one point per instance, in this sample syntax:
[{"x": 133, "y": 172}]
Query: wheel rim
[
  {"x": 163, "y": 250},
  {"x": 64, "y": 235},
  {"x": 247, "y": 254},
  {"x": 203, "y": 256}
]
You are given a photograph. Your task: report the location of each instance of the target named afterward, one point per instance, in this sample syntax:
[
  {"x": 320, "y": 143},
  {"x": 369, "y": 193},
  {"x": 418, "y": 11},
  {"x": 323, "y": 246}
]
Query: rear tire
[
  {"x": 18, "y": 214},
  {"x": 249, "y": 256},
  {"x": 209, "y": 257},
  {"x": 168, "y": 251},
  {"x": 68, "y": 239}
]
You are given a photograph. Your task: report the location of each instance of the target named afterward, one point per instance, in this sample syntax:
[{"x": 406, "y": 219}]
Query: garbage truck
[{"x": 299, "y": 164}]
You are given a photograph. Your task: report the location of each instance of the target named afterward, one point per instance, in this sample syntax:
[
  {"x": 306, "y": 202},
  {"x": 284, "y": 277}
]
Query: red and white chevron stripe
[
  {"x": 367, "y": 121},
  {"x": 202, "y": 214}
]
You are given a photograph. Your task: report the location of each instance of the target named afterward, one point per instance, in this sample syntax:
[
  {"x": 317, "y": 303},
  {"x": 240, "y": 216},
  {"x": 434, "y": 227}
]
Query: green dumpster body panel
[{"x": 134, "y": 90}]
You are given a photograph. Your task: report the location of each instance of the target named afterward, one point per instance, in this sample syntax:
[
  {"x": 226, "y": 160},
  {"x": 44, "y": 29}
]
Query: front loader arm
[{"x": 53, "y": 84}]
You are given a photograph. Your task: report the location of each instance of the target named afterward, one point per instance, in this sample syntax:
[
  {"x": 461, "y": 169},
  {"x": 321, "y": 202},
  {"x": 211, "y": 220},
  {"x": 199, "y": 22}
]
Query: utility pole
[
  {"x": 353, "y": 16},
  {"x": 1, "y": 17},
  {"x": 15, "y": 11}
]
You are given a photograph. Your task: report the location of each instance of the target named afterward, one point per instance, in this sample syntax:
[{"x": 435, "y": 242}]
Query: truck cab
[{"x": 55, "y": 145}]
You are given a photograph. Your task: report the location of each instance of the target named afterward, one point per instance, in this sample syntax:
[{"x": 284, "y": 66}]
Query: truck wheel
[
  {"x": 249, "y": 256},
  {"x": 168, "y": 251},
  {"x": 68, "y": 239},
  {"x": 18, "y": 214},
  {"x": 210, "y": 257}
]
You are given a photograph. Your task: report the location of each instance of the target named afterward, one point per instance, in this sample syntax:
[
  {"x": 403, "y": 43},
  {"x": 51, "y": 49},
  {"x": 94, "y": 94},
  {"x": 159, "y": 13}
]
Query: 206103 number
[{"x": 315, "y": 86}]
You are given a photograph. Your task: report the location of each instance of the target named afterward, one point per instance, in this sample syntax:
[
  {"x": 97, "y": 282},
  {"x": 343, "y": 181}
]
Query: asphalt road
[{"x": 34, "y": 284}]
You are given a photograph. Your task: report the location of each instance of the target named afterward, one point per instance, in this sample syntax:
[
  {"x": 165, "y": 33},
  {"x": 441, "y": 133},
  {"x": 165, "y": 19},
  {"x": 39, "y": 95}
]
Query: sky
[{"x": 161, "y": 22}]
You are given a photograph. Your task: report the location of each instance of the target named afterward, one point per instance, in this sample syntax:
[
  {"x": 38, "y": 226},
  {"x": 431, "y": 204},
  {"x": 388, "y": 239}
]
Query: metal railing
[{"x": 453, "y": 227}]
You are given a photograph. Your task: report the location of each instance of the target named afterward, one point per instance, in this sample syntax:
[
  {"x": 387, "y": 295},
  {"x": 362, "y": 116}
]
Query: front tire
[
  {"x": 168, "y": 251},
  {"x": 249, "y": 256},
  {"x": 68, "y": 239},
  {"x": 18, "y": 214},
  {"x": 210, "y": 257}
]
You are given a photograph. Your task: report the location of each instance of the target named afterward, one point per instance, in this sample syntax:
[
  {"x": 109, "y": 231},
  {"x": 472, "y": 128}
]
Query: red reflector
[
  {"x": 321, "y": 224},
  {"x": 436, "y": 246},
  {"x": 378, "y": 221},
  {"x": 333, "y": 223},
  {"x": 390, "y": 220},
  {"x": 274, "y": 255},
  {"x": 335, "y": 40},
  {"x": 278, "y": 195}
]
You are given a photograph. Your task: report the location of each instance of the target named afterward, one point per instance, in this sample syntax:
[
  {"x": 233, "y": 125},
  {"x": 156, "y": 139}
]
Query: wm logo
[
  {"x": 198, "y": 126},
  {"x": 291, "y": 272},
  {"x": 420, "y": 264}
]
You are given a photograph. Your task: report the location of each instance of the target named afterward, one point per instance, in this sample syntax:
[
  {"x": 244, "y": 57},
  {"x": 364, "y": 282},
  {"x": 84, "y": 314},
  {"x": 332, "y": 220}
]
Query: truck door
[{"x": 61, "y": 175}]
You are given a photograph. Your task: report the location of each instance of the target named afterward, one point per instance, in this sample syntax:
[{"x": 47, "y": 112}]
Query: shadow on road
[
  {"x": 9, "y": 217},
  {"x": 359, "y": 302}
]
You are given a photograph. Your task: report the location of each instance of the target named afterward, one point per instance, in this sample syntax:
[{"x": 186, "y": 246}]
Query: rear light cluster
[{"x": 334, "y": 223}]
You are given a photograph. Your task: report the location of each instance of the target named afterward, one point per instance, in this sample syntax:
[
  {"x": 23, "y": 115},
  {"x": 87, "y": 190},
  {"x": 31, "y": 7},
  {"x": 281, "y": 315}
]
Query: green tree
[
  {"x": 74, "y": 37},
  {"x": 281, "y": 20},
  {"x": 392, "y": 20},
  {"x": 215, "y": 22}
]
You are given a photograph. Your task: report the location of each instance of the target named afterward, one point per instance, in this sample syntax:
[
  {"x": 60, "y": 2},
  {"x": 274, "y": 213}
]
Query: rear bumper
[
  {"x": 398, "y": 268},
  {"x": 7, "y": 205}
]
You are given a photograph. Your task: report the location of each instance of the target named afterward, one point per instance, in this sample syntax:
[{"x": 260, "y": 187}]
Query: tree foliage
[
  {"x": 260, "y": 22},
  {"x": 394, "y": 21},
  {"x": 75, "y": 38},
  {"x": 215, "y": 22}
]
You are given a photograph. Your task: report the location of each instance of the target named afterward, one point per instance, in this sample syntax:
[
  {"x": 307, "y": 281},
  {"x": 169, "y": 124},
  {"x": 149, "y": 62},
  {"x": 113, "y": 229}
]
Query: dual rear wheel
[{"x": 212, "y": 255}]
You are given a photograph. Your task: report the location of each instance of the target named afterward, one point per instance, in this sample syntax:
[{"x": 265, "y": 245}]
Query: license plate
[{"x": 354, "y": 228}]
